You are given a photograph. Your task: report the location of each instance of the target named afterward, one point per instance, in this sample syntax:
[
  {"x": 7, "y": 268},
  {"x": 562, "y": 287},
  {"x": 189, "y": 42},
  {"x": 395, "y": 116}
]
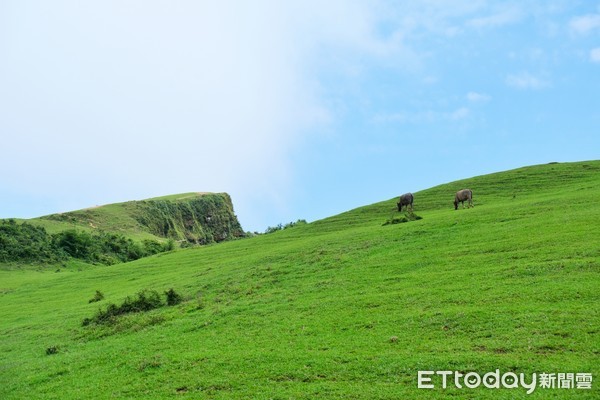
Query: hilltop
[
  {"x": 118, "y": 232},
  {"x": 344, "y": 307},
  {"x": 199, "y": 218}
]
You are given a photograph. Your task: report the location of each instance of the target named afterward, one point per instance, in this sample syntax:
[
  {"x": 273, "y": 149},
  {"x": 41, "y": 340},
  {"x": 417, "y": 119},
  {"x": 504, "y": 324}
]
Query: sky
[{"x": 297, "y": 109}]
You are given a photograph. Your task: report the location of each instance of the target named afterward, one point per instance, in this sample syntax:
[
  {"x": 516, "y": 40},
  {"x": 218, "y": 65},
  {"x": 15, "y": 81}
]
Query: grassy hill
[
  {"x": 340, "y": 308},
  {"x": 192, "y": 217}
]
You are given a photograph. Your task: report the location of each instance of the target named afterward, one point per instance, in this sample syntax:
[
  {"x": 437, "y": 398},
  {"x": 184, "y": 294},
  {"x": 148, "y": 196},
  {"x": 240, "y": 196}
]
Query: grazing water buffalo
[
  {"x": 405, "y": 200},
  {"x": 461, "y": 196}
]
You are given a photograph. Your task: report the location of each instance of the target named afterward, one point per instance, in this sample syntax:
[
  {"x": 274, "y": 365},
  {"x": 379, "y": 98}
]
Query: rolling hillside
[
  {"x": 343, "y": 307},
  {"x": 192, "y": 217}
]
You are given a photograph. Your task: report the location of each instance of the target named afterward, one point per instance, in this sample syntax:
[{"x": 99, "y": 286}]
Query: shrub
[
  {"x": 293, "y": 224},
  {"x": 280, "y": 227},
  {"x": 185, "y": 244},
  {"x": 26, "y": 242},
  {"x": 145, "y": 300},
  {"x": 394, "y": 220},
  {"x": 407, "y": 217},
  {"x": 154, "y": 247},
  {"x": 75, "y": 244},
  {"x": 169, "y": 245},
  {"x": 97, "y": 297},
  {"x": 105, "y": 248},
  {"x": 173, "y": 298}
]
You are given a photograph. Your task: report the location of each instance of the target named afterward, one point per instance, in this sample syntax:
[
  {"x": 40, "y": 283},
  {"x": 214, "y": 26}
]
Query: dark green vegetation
[
  {"x": 407, "y": 216},
  {"x": 280, "y": 227},
  {"x": 26, "y": 242},
  {"x": 145, "y": 300},
  {"x": 23, "y": 242},
  {"x": 120, "y": 232},
  {"x": 340, "y": 308}
]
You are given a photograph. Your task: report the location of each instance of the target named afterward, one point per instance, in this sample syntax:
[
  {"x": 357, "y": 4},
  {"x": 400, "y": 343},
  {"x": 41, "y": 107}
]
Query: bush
[
  {"x": 395, "y": 220},
  {"x": 75, "y": 244},
  {"x": 280, "y": 227},
  {"x": 407, "y": 217},
  {"x": 154, "y": 247},
  {"x": 173, "y": 298},
  {"x": 145, "y": 300},
  {"x": 97, "y": 297},
  {"x": 26, "y": 242}
]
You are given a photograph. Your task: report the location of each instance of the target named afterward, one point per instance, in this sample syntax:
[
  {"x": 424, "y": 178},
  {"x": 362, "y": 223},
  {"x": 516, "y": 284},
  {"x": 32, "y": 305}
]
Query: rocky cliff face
[{"x": 202, "y": 219}]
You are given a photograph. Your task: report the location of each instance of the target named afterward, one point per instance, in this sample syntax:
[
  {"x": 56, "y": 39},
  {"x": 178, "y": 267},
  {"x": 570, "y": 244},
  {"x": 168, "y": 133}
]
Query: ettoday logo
[{"x": 507, "y": 380}]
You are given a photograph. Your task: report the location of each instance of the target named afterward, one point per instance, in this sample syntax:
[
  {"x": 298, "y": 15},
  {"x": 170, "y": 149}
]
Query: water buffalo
[
  {"x": 405, "y": 200},
  {"x": 461, "y": 196}
]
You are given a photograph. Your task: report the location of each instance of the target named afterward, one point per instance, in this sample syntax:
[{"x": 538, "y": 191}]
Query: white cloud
[
  {"x": 525, "y": 80},
  {"x": 132, "y": 100},
  {"x": 475, "y": 97},
  {"x": 585, "y": 24},
  {"x": 149, "y": 99},
  {"x": 595, "y": 55}
]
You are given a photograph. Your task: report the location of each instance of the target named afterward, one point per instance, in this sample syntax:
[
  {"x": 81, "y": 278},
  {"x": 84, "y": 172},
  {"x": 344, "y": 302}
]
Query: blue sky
[{"x": 298, "y": 109}]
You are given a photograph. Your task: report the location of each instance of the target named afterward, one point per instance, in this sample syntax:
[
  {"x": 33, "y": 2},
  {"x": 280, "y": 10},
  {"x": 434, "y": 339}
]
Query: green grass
[
  {"x": 187, "y": 218},
  {"x": 117, "y": 218},
  {"x": 179, "y": 196},
  {"x": 340, "y": 308}
]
